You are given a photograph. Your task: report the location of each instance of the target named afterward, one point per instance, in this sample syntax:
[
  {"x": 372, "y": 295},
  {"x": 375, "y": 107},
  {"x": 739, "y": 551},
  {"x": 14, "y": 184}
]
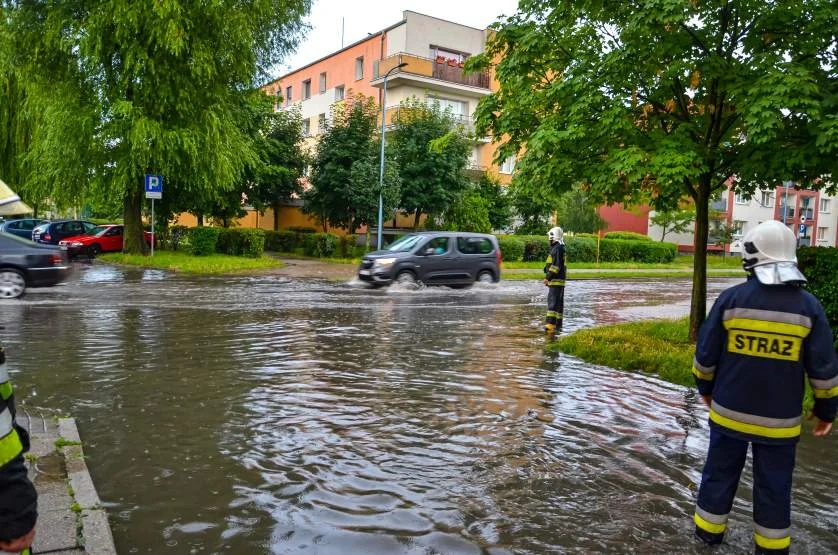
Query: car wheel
[
  {"x": 406, "y": 278},
  {"x": 94, "y": 250},
  {"x": 12, "y": 283},
  {"x": 485, "y": 277}
]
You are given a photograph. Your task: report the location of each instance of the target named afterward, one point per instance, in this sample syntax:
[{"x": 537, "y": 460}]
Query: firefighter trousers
[
  {"x": 773, "y": 468},
  {"x": 555, "y": 305}
]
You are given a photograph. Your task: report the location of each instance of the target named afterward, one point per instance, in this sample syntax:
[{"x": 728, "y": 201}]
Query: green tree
[
  {"x": 345, "y": 171},
  {"x": 126, "y": 88},
  {"x": 652, "y": 102},
  {"x": 534, "y": 204},
  {"x": 679, "y": 220},
  {"x": 275, "y": 178},
  {"x": 469, "y": 213},
  {"x": 498, "y": 200},
  {"x": 575, "y": 212},
  {"x": 432, "y": 153}
]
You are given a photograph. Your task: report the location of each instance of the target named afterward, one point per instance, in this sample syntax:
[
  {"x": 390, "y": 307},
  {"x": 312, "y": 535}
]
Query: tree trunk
[
  {"x": 134, "y": 242},
  {"x": 275, "y": 208},
  {"x": 416, "y": 217},
  {"x": 698, "y": 304}
]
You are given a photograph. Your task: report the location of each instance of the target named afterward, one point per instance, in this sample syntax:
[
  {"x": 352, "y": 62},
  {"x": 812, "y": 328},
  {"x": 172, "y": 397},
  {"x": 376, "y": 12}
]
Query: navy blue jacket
[
  {"x": 555, "y": 269},
  {"x": 753, "y": 353}
]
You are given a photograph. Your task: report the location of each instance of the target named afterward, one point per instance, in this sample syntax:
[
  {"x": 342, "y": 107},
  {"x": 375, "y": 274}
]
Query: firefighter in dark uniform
[
  {"x": 761, "y": 339},
  {"x": 18, "y": 499},
  {"x": 555, "y": 272}
]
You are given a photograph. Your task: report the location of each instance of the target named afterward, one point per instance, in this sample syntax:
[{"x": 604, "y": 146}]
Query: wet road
[{"x": 261, "y": 415}]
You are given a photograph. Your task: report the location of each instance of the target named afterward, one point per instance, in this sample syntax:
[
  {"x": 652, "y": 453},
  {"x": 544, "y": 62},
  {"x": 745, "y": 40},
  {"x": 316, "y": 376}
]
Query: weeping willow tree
[{"x": 129, "y": 87}]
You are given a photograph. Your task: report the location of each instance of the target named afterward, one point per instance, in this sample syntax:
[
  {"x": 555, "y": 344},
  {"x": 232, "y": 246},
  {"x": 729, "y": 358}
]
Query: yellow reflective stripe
[
  {"x": 556, "y": 282},
  {"x": 708, "y": 526},
  {"x": 549, "y": 259},
  {"x": 702, "y": 375},
  {"x": 10, "y": 445},
  {"x": 754, "y": 429},
  {"x": 826, "y": 393},
  {"x": 772, "y": 543},
  {"x": 765, "y": 326},
  {"x": 6, "y": 390},
  {"x": 554, "y": 269}
]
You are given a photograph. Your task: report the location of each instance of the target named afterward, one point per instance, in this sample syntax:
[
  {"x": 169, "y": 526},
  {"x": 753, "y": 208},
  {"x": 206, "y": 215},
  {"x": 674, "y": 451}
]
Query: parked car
[
  {"x": 435, "y": 258},
  {"x": 52, "y": 232},
  {"x": 103, "y": 238},
  {"x": 24, "y": 264},
  {"x": 21, "y": 227}
]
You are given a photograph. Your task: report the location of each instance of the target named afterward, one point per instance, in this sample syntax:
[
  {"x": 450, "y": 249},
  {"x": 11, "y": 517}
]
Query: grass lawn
[
  {"x": 183, "y": 262},
  {"x": 660, "y": 347},
  {"x": 636, "y": 274},
  {"x": 680, "y": 263}
]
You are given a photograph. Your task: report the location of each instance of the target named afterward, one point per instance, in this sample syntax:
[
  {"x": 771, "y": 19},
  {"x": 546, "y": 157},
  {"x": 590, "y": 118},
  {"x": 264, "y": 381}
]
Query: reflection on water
[{"x": 266, "y": 415}]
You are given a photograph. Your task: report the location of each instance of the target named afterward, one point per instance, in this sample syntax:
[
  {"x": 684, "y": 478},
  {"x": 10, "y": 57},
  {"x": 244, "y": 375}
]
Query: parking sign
[
  {"x": 153, "y": 186},
  {"x": 802, "y": 228}
]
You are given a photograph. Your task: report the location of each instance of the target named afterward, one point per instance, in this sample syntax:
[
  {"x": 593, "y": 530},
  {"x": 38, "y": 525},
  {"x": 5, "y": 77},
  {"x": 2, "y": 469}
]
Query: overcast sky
[{"x": 369, "y": 16}]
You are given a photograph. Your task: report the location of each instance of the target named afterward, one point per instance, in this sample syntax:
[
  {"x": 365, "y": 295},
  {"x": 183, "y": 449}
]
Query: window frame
[
  {"x": 359, "y": 65},
  {"x": 509, "y": 163},
  {"x": 306, "y": 91},
  {"x": 342, "y": 90},
  {"x": 828, "y": 203},
  {"x": 322, "y": 82},
  {"x": 289, "y": 93}
]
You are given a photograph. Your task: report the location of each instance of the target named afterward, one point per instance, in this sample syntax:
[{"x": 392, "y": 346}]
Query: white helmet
[
  {"x": 555, "y": 234},
  {"x": 769, "y": 251}
]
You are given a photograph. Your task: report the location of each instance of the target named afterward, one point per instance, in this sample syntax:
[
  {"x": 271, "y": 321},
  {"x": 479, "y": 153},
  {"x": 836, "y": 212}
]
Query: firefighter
[
  {"x": 18, "y": 499},
  {"x": 759, "y": 341},
  {"x": 555, "y": 271}
]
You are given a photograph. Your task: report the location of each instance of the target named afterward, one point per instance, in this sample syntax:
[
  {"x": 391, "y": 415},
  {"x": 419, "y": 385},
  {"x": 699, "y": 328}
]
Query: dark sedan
[
  {"x": 24, "y": 264},
  {"x": 53, "y": 232},
  {"x": 21, "y": 227}
]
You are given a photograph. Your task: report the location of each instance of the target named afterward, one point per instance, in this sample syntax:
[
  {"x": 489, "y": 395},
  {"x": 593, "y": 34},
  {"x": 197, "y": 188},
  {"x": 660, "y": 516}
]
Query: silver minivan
[{"x": 435, "y": 258}]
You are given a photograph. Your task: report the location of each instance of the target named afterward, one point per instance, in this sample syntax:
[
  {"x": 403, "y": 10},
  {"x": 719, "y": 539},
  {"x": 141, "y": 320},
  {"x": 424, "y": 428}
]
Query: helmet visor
[{"x": 779, "y": 273}]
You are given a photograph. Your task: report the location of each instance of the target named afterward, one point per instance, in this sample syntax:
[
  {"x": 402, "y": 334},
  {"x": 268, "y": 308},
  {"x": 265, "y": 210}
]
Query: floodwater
[{"x": 262, "y": 415}]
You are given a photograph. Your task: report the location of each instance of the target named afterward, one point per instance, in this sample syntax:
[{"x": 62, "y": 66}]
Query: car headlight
[
  {"x": 76, "y": 244},
  {"x": 384, "y": 261}
]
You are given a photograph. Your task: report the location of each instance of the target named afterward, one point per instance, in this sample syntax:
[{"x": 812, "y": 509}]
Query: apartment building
[
  {"x": 811, "y": 215},
  {"x": 434, "y": 51}
]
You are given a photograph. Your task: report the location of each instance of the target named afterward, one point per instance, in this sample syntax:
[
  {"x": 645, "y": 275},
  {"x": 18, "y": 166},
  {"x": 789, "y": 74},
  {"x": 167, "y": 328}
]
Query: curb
[{"x": 94, "y": 527}]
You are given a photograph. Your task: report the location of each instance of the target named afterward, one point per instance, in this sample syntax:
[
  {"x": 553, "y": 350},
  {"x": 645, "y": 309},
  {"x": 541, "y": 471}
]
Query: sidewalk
[
  {"x": 710, "y": 271},
  {"x": 71, "y": 519}
]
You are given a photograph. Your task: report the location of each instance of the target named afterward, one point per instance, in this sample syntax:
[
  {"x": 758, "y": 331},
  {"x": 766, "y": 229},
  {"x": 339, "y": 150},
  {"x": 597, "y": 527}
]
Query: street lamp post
[{"x": 381, "y": 168}]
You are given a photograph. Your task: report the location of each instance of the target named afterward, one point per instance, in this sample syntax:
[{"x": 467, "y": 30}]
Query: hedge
[
  {"x": 820, "y": 266},
  {"x": 584, "y": 249},
  {"x": 280, "y": 241},
  {"x": 511, "y": 248},
  {"x": 628, "y": 235},
  {"x": 322, "y": 245},
  {"x": 241, "y": 242},
  {"x": 202, "y": 240}
]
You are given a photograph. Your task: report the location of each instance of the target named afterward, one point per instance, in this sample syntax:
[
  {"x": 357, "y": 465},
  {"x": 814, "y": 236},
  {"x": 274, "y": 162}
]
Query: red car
[{"x": 103, "y": 238}]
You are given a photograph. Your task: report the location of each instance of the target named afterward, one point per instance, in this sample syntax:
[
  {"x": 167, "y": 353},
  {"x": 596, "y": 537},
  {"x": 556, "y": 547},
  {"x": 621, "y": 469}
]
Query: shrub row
[
  {"x": 820, "y": 266},
  {"x": 203, "y": 241},
  {"x": 535, "y": 248},
  {"x": 323, "y": 245}
]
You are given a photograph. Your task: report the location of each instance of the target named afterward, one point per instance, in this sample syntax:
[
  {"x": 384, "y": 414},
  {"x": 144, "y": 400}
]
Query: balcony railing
[
  {"x": 392, "y": 115},
  {"x": 439, "y": 68}
]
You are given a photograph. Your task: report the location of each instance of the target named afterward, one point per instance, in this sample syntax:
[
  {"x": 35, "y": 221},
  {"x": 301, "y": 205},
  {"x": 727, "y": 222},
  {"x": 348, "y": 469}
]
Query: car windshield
[
  {"x": 406, "y": 243},
  {"x": 98, "y": 231}
]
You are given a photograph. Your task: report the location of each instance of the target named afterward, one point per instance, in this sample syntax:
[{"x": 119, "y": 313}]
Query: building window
[
  {"x": 508, "y": 165},
  {"x": 359, "y": 68},
  {"x": 767, "y": 199},
  {"x": 306, "y": 127},
  {"x": 825, "y": 206},
  {"x": 822, "y": 233},
  {"x": 321, "y": 123},
  {"x": 306, "y": 89},
  {"x": 322, "y": 82},
  {"x": 288, "y": 96},
  {"x": 738, "y": 228},
  {"x": 339, "y": 92},
  {"x": 457, "y": 108},
  {"x": 740, "y": 199},
  {"x": 437, "y": 51}
]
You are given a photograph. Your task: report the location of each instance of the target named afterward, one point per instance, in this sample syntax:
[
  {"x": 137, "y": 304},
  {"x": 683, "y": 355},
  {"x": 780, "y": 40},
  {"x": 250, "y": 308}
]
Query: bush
[
  {"x": 302, "y": 229},
  {"x": 580, "y": 249},
  {"x": 820, "y": 266},
  {"x": 627, "y": 235},
  {"x": 241, "y": 242},
  {"x": 511, "y": 248},
  {"x": 323, "y": 245},
  {"x": 346, "y": 246},
  {"x": 202, "y": 240},
  {"x": 622, "y": 250},
  {"x": 593, "y": 236},
  {"x": 280, "y": 241},
  {"x": 536, "y": 248}
]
